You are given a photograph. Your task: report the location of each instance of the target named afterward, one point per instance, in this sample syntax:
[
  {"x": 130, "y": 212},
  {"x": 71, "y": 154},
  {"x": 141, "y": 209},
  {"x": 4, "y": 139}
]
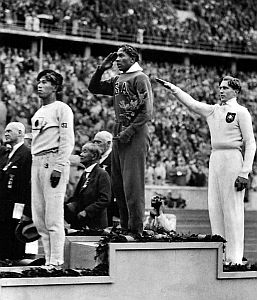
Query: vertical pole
[{"x": 41, "y": 54}]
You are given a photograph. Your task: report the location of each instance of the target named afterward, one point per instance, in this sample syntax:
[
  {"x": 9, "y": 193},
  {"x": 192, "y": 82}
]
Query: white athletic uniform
[
  {"x": 231, "y": 130},
  {"x": 52, "y": 145}
]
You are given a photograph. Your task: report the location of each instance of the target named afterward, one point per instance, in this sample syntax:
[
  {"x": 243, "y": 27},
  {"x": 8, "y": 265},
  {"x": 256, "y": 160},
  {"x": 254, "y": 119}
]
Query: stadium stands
[
  {"x": 229, "y": 25},
  {"x": 175, "y": 132}
]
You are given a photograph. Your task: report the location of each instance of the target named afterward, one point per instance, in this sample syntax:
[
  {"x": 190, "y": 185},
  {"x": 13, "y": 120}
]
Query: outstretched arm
[{"x": 192, "y": 104}]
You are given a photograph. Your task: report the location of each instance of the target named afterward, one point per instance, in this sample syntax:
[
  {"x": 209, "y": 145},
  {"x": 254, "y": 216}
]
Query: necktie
[{"x": 84, "y": 180}]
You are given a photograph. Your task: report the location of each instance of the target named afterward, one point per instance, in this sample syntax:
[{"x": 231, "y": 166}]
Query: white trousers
[
  {"x": 47, "y": 207},
  {"x": 225, "y": 204}
]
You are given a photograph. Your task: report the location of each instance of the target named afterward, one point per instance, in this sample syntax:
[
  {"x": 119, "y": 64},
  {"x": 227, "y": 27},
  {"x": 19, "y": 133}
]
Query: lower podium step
[
  {"x": 82, "y": 255},
  {"x": 80, "y": 252}
]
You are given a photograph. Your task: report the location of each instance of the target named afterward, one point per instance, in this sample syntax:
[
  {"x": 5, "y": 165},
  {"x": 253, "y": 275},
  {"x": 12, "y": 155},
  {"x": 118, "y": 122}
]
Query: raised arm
[
  {"x": 98, "y": 86},
  {"x": 192, "y": 104}
]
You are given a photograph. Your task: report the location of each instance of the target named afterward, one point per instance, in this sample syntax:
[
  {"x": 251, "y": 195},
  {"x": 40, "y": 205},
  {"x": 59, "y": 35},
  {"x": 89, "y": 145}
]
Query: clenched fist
[{"x": 241, "y": 183}]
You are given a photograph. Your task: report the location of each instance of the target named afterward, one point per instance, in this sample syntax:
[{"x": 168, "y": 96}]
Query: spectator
[
  {"x": 104, "y": 140},
  {"x": 35, "y": 22},
  {"x": 149, "y": 173},
  {"x": 3, "y": 116},
  {"x": 87, "y": 208},
  {"x": 171, "y": 171},
  {"x": 182, "y": 171},
  {"x": 15, "y": 190},
  {"x": 28, "y": 22},
  {"x": 197, "y": 177},
  {"x": 159, "y": 173}
]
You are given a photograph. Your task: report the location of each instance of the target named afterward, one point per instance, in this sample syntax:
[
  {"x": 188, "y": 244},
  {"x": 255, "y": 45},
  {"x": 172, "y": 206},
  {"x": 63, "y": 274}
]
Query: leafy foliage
[{"x": 116, "y": 235}]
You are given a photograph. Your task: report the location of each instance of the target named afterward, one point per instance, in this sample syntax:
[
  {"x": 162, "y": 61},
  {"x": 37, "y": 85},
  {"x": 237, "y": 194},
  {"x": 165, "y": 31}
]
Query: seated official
[{"x": 88, "y": 206}]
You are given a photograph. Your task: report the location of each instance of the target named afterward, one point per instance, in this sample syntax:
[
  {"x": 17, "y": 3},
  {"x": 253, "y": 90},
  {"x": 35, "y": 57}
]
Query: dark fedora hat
[{"x": 26, "y": 232}]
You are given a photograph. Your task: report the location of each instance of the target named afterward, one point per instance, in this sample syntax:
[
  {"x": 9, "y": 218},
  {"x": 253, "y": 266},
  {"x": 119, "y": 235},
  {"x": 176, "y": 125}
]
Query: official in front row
[
  {"x": 87, "y": 208},
  {"x": 104, "y": 140},
  {"x": 15, "y": 190}
]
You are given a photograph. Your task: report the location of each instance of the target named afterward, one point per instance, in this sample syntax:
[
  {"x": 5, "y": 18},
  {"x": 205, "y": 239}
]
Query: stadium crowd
[
  {"x": 222, "y": 24},
  {"x": 180, "y": 140}
]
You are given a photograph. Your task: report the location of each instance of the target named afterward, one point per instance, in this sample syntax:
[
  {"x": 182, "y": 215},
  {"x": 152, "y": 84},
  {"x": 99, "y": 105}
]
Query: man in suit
[
  {"x": 88, "y": 206},
  {"x": 104, "y": 140},
  {"x": 15, "y": 189}
]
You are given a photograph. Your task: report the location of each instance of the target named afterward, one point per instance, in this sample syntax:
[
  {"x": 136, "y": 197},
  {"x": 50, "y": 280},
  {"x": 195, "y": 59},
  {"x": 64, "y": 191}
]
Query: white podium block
[
  {"x": 80, "y": 251},
  {"x": 82, "y": 255}
]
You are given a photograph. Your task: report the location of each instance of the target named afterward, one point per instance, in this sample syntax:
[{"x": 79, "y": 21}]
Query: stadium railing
[{"x": 85, "y": 32}]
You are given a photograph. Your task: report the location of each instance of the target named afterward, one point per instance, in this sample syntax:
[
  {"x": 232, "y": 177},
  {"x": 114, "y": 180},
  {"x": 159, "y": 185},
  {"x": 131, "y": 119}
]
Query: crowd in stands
[
  {"x": 180, "y": 145},
  {"x": 218, "y": 24}
]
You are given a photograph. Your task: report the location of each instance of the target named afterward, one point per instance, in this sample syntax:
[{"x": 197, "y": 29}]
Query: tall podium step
[{"x": 197, "y": 221}]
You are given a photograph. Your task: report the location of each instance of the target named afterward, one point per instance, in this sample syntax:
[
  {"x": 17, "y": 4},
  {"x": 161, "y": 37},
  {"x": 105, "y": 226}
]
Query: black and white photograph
[{"x": 128, "y": 167}]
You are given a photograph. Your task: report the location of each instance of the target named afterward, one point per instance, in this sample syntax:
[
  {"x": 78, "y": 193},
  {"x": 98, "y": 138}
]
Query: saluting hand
[{"x": 108, "y": 61}]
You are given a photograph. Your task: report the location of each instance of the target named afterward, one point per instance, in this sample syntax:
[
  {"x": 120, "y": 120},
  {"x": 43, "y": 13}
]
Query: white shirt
[
  {"x": 52, "y": 127},
  {"x": 230, "y": 126},
  {"x": 88, "y": 170}
]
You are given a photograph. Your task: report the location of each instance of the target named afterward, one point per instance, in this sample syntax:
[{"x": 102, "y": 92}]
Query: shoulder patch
[{"x": 64, "y": 125}]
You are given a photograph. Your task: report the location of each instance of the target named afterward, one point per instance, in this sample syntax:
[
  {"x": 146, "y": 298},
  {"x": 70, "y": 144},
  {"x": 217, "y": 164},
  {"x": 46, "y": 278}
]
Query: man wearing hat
[
  {"x": 104, "y": 140},
  {"x": 15, "y": 190},
  {"x": 133, "y": 105},
  {"x": 51, "y": 147}
]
